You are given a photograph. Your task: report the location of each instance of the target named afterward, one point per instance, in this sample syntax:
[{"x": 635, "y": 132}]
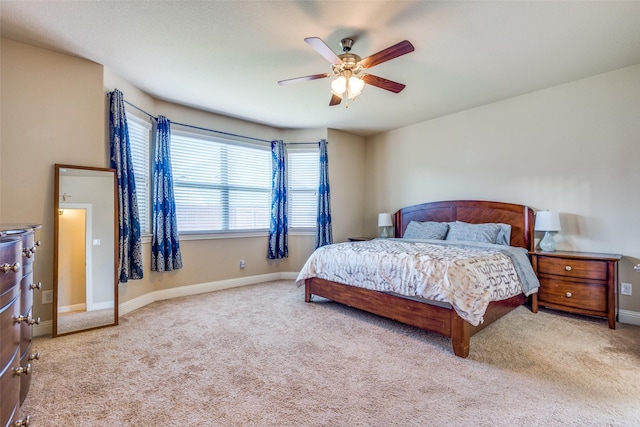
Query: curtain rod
[
  {"x": 139, "y": 109},
  {"x": 197, "y": 127},
  {"x": 211, "y": 130}
]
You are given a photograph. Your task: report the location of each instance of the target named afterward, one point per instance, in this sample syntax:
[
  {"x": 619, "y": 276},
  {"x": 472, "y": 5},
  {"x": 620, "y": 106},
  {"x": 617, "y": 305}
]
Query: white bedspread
[{"x": 467, "y": 276}]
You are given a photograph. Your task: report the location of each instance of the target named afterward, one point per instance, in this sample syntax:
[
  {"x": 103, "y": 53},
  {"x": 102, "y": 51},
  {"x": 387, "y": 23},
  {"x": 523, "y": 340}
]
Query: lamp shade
[
  {"x": 384, "y": 220},
  {"x": 339, "y": 85},
  {"x": 547, "y": 221},
  {"x": 355, "y": 86}
]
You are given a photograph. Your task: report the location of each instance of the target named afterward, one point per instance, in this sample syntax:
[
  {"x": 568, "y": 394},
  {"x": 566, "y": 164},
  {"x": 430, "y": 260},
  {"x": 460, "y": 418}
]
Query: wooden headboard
[{"x": 520, "y": 217}]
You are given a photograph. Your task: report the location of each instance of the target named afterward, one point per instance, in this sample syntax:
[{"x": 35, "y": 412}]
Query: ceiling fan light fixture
[
  {"x": 355, "y": 86},
  {"x": 339, "y": 86}
]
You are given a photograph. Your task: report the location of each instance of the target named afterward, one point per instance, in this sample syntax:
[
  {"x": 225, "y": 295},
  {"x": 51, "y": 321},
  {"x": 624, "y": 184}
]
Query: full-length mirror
[{"x": 85, "y": 285}]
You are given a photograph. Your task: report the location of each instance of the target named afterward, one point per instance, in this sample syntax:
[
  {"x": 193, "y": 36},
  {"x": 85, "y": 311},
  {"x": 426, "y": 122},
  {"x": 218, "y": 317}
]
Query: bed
[{"x": 428, "y": 314}]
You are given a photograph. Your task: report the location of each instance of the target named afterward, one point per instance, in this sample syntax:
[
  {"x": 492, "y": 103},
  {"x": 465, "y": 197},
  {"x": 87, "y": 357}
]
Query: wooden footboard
[{"x": 422, "y": 315}]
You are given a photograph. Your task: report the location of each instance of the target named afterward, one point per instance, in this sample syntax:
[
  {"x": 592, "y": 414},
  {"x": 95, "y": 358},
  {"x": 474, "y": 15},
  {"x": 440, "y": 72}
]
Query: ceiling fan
[{"x": 350, "y": 71}]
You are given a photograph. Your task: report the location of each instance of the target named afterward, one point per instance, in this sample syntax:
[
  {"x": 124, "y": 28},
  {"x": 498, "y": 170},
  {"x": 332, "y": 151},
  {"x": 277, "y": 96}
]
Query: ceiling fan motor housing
[
  {"x": 346, "y": 44},
  {"x": 350, "y": 62}
]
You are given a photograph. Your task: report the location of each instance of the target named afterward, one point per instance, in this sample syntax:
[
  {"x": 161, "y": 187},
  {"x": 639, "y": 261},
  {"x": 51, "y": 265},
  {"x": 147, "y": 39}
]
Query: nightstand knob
[
  {"x": 568, "y": 268},
  {"x": 568, "y": 294}
]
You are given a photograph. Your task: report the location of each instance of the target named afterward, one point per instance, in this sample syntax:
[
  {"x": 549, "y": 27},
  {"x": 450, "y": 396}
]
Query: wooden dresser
[
  {"x": 577, "y": 282},
  {"x": 17, "y": 253}
]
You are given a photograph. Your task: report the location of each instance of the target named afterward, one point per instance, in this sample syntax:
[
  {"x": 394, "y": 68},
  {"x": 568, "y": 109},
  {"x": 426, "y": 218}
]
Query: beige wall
[
  {"x": 346, "y": 178},
  {"x": 573, "y": 148},
  {"x": 54, "y": 111}
]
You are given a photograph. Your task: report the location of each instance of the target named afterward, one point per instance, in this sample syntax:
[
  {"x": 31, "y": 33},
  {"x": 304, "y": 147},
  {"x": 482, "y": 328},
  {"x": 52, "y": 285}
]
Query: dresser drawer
[
  {"x": 26, "y": 294},
  {"x": 9, "y": 331},
  {"x": 9, "y": 391},
  {"x": 26, "y": 334},
  {"x": 591, "y": 297},
  {"x": 575, "y": 268},
  {"x": 25, "y": 380},
  {"x": 10, "y": 254}
]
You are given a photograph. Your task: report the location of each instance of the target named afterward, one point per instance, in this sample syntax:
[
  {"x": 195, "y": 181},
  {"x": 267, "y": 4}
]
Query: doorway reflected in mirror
[{"x": 85, "y": 258}]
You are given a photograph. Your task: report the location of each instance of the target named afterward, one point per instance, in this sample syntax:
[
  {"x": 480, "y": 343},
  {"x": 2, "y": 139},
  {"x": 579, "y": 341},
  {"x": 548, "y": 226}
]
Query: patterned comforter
[{"x": 466, "y": 275}]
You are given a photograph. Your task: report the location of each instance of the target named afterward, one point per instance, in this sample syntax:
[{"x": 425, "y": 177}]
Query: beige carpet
[
  {"x": 260, "y": 356},
  {"x": 76, "y": 320}
]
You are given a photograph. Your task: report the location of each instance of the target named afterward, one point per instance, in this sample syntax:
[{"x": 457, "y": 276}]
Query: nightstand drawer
[
  {"x": 586, "y": 296},
  {"x": 585, "y": 269}
]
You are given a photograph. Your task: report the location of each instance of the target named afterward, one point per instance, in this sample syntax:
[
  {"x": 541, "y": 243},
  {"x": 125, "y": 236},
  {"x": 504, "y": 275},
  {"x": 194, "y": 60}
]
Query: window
[
  {"x": 223, "y": 185},
  {"x": 139, "y": 138},
  {"x": 220, "y": 185},
  {"x": 303, "y": 180}
]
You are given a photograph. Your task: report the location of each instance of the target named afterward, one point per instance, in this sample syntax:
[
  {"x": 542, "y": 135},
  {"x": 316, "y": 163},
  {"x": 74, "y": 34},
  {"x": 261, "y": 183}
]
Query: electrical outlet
[
  {"x": 625, "y": 288},
  {"x": 241, "y": 263},
  {"x": 47, "y": 297}
]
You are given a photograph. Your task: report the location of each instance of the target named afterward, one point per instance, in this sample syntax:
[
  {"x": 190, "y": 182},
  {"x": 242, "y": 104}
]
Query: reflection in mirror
[{"x": 85, "y": 258}]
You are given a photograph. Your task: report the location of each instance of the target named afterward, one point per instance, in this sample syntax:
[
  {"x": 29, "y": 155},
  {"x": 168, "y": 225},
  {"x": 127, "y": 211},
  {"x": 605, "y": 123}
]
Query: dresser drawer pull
[
  {"x": 568, "y": 294},
  {"x": 35, "y": 286},
  {"x": 15, "y": 267},
  {"x": 34, "y": 356},
  {"x": 24, "y": 422},
  {"x": 28, "y": 319},
  {"x": 568, "y": 268},
  {"x": 23, "y": 370}
]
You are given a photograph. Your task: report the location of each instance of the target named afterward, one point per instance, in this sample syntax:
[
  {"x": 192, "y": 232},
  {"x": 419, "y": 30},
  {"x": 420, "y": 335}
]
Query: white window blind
[
  {"x": 220, "y": 185},
  {"x": 303, "y": 180},
  {"x": 140, "y": 140}
]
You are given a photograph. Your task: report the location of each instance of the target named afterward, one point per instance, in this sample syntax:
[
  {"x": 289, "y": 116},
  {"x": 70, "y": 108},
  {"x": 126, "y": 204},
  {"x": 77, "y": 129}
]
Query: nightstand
[
  {"x": 360, "y": 239},
  {"x": 577, "y": 282}
]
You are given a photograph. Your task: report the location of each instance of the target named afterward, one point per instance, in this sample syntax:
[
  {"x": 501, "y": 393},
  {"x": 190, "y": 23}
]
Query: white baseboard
[
  {"x": 630, "y": 317},
  {"x": 44, "y": 328},
  {"x": 182, "y": 291},
  {"x": 70, "y": 308},
  {"x": 102, "y": 305}
]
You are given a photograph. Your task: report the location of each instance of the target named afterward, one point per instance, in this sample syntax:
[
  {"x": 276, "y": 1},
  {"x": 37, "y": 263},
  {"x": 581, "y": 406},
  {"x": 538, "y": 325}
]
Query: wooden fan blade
[
  {"x": 335, "y": 100},
  {"x": 303, "y": 79},
  {"x": 383, "y": 83},
  {"x": 324, "y": 50},
  {"x": 388, "y": 54}
]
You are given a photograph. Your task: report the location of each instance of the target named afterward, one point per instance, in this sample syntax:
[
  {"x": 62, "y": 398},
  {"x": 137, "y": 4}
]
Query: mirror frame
[{"x": 56, "y": 238}]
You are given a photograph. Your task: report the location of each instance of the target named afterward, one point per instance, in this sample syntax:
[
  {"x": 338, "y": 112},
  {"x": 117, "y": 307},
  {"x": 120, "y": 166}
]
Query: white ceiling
[{"x": 227, "y": 56}]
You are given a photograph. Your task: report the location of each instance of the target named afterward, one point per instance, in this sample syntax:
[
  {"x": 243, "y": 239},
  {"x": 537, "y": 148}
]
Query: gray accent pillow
[
  {"x": 504, "y": 234},
  {"x": 426, "y": 230},
  {"x": 485, "y": 233}
]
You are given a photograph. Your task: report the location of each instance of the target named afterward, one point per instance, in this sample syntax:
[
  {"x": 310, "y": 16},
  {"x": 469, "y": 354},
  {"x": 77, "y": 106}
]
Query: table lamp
[
  {"x": 549, "y": 222},
  {"x": 384, "y": 221}
]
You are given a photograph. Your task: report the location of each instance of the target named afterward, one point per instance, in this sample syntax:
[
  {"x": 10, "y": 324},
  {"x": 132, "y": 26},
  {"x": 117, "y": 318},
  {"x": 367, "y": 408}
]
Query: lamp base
[
  {"x": 385, "y": 233},
  {"x": 548, "y": 244}
]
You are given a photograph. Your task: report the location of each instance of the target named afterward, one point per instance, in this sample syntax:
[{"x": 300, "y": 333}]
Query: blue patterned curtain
[
  {"x": 165, "y": 246},
  {"x": 130, "y": 242},
  {"x": 324, "y": 235},
  {"x": 278, "y": 228}
]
